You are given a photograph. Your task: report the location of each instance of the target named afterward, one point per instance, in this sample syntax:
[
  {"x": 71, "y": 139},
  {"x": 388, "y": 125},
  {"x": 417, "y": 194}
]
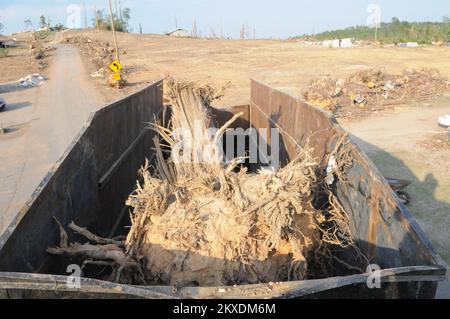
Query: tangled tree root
[
  {"x": 101, "y": 251},
  {"x": 209, "y": 223}
]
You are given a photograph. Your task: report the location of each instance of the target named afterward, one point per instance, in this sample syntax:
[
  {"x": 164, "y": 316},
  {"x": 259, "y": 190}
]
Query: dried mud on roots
[{"x": 211, "y": 223}]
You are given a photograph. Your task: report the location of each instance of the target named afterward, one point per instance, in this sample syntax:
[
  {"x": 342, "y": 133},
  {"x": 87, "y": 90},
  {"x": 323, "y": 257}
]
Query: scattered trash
[
  {"x": 444, "y": 121},
  {"x": 2, "y": 104},
  {"x": 32, "y": 80},
  {"x": 332, "y": 166},
  {"x": 408, "y": 45},
  {"x": 398, "y": 186},
  {"x": 101, "y": 54},
  {"x": 359, "y": 99},
  {"x": 267, "y": 170},
  {"x": 97, "y": 75},
  {"x": 373, "y": 89},
  {"x": 389, "y": 85}
]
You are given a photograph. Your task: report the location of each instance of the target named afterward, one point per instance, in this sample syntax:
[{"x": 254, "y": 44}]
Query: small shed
[{"x": 181, "y": 33}]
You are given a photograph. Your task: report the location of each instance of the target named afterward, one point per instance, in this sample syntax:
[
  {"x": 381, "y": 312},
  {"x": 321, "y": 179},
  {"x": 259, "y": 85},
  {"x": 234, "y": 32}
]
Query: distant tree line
[
  {"x": 395, "y": 31},
  {"x": 43, "y": 23},
  {"x": 121, "y": 20}
]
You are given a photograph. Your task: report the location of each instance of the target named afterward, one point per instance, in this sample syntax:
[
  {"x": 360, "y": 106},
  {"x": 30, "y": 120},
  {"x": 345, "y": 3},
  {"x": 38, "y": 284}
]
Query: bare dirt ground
[
  {"x": 285, "y": 65},
  {"x": 16, "y": 65},
  {"x": 19, "y": 63}
]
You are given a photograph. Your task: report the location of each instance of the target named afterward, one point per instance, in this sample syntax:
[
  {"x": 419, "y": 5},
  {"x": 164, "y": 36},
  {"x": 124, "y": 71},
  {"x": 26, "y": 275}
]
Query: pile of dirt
[
  {"x": 198, "y": 220},
  {"x": 372, "y": 90}
]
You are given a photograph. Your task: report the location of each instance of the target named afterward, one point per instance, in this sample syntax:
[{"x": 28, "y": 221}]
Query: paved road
[{"x": 42, "y": 122}]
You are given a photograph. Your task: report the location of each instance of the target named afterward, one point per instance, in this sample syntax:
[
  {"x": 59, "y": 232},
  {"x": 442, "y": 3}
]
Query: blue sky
[{"x": 269, "y": 18}]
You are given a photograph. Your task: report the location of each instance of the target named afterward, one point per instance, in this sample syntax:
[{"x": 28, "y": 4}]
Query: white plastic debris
[
  {"x": 389, "y": 86},
  {"x": 96, "y": 75},
  {"x": 31, "y": 80},
  {"x": 359, "y": 99},
  {"x": 267, "y": 170},
  {"x": 332, "y": 165},
  {"x": 444, "y": 121}
]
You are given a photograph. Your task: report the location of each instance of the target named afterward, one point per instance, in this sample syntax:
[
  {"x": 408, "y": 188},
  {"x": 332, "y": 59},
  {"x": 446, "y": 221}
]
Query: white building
[{"x": 338, "y": 43}]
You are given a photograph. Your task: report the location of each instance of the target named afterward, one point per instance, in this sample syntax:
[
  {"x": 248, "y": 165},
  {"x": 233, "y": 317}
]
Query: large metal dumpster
[{"x": 92, "y": 180}]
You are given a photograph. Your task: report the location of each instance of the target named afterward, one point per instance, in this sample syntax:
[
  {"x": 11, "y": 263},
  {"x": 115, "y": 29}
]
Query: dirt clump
[{"x": 371, "y": 90}]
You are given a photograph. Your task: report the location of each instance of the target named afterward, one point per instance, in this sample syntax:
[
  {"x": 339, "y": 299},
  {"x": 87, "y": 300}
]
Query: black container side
[{"x": 89, "y": 184}]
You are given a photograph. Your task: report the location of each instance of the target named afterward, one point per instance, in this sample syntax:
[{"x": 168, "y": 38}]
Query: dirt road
[
  {"x": 41, "y": 122},
  {"x": 392, "y": 141}
]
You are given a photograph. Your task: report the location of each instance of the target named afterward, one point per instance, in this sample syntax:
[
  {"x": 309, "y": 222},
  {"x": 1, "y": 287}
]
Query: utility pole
[
  {"x": 213, "y": 33},
  {"x": 96, "y": 18},
  {"x": 140, "y": 28},
  {"x": 113, "y": 29},
  {"x": 120, "y": 10},
  {"x": 176, "y": 23},
  {"x": 194, "y": 30},
  {"x": 85, "y": 17}
]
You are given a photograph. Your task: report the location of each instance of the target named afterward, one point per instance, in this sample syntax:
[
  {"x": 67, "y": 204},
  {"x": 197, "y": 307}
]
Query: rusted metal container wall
[
  {"x": 89, "y": 184},
  {"x": 384, "y": 229}
]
